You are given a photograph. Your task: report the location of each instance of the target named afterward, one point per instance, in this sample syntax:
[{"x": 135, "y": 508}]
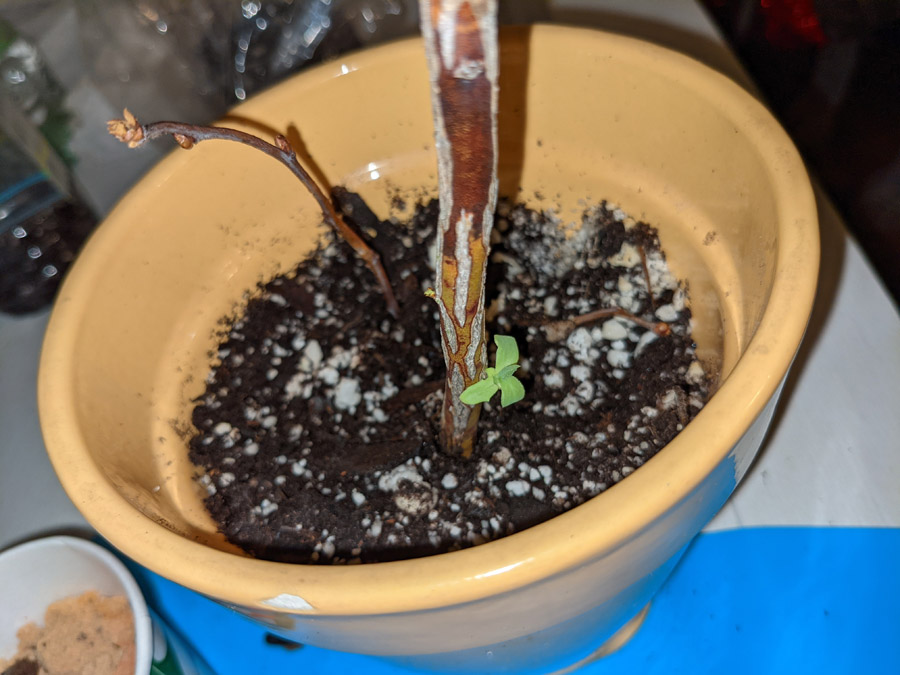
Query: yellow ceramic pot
[{"x": 585, "y": 116}]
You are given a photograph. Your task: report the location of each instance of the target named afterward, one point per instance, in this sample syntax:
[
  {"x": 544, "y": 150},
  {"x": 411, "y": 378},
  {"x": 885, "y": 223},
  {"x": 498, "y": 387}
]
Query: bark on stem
[
  {"x": 461, "y": 48},
  {"x": 130, "y": 131}
]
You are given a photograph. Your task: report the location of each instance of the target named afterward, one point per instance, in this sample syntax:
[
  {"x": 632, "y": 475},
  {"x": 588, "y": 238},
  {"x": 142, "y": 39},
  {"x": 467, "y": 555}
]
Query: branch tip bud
[{"x": 127, "y": 130}]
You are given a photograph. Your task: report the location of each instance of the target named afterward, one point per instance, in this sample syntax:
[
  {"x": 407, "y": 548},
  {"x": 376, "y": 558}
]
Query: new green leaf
[
  {"x": 507, "y": 351},
  {"x": 511, "y": 391},
  {"x": 505, "y": 372},
  {"x": 479, "y": 392},
  {"x": 500, "y": 377}
]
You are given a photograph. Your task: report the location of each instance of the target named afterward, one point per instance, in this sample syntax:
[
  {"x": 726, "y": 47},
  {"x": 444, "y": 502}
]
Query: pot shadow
[{"x": 512, "y": 109}]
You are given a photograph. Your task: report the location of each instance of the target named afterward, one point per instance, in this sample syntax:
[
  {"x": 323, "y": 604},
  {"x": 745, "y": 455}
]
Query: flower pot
[{"x": 584, "y": 116}]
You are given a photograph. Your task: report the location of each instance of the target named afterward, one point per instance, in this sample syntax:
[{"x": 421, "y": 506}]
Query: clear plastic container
[{"x": 43, "y": 221}]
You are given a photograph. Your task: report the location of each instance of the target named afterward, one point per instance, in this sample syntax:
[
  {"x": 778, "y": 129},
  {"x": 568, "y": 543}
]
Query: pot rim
[{"x": 613, "y": 516}]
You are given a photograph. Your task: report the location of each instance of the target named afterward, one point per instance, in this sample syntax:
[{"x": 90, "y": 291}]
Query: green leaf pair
[{"x": 499, "y": 377}]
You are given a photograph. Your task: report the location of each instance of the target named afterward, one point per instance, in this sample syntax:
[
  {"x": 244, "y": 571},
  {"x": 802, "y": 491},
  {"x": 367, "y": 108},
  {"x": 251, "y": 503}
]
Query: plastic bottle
[{"x": 43, "y": 222}]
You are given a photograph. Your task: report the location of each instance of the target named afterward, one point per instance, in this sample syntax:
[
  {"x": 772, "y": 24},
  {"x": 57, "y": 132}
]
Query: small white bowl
[{"x": 38, "y": 573}]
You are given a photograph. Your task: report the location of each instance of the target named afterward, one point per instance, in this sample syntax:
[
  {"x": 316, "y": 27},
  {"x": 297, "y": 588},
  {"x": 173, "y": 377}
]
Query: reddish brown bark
[{"x": 461, "y": 46}]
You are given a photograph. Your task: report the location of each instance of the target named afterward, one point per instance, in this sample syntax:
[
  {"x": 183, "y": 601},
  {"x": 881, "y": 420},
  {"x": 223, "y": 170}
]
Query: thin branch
[
  {"x": 661, "y": 328},
  {"x": 559, "y": 330},
  {"x": 130, "y": 131}
]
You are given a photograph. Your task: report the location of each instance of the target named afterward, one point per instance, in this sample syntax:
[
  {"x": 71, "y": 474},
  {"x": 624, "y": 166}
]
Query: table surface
[{"x": 832, "y": 460}]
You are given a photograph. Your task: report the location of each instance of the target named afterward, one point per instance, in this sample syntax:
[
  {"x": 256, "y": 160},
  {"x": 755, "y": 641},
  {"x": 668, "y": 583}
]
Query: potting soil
[{"x": 318, "y": 430}]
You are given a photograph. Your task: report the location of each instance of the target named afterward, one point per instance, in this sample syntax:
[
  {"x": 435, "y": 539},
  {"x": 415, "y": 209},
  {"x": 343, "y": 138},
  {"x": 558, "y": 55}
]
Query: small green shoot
[{"x": 499, "y": 377}]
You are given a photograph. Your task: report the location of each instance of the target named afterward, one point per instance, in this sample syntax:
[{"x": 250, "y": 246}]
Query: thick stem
[
  {"x": 129, "y": 130},
  {"x": 461, "y": 48}
]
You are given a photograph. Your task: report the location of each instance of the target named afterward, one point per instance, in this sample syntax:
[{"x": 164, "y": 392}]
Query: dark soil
[
  {"x": 317, "y": 432},
  {"x": 23, "y": 667}
]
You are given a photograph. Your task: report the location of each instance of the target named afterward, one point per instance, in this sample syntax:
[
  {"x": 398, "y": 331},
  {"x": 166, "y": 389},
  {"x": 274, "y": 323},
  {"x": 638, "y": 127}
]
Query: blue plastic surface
[{"x": 770, "y": 600}]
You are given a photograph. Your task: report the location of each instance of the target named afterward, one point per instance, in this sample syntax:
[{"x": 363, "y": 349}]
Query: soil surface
[{"x": 317, "y": 432}]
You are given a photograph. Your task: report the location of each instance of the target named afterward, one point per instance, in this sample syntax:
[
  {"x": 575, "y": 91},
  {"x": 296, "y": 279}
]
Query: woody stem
[{"x": 461, "y": 49}]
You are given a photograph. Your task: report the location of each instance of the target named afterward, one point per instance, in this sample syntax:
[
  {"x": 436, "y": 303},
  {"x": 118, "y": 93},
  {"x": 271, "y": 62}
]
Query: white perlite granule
[
  {"x": 347, "y": 394},
  {"x": 390, "y": 482},
  {"x": 518, "y": 488}
]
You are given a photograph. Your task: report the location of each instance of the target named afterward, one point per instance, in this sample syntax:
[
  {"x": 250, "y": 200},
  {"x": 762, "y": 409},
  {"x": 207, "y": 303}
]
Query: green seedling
[{"x": 499, "y": 377}]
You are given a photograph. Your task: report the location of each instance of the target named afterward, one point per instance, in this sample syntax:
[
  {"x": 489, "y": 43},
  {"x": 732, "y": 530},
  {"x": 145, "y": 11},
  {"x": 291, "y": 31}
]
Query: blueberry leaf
[
  {"x": 499, "y": 377},
  {"x": 507, "y": 351},
  {"x": 511, "y": 391},
  {"x": 479, "y": 392},
  {"x": 506, "y": 371}
]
